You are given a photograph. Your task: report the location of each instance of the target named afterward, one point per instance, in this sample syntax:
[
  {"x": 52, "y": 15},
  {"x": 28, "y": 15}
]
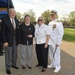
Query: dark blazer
[
  {"x": 24, "y": 31},
  {"x": 8, "y": 33}
]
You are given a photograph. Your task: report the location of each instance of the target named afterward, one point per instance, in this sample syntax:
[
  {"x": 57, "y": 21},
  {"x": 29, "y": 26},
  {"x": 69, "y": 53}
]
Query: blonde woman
[{"x": 42, "y": 37}]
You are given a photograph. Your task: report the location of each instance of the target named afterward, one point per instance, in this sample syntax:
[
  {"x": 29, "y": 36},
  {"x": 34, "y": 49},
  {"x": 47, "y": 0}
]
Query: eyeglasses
[{"x": 39, "y": 20}]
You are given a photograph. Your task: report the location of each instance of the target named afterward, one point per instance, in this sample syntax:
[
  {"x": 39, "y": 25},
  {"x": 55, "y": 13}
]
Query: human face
[
  {"x": 27, "y": 20},
  {"x": 40, "y": 21},
  {"x": 12, "y": 13},
  {"x": 53, "y": 16}
]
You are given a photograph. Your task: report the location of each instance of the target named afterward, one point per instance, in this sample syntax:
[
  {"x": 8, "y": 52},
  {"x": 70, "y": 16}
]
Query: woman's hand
[
  {"x": 30, "y": 36},
  {"x": 46, "y": 45},
  {"x": 5, "y": 44}
]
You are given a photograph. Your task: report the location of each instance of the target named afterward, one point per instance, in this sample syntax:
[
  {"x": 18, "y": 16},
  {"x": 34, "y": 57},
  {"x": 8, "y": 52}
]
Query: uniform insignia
[{"x": 54, "y": 26}]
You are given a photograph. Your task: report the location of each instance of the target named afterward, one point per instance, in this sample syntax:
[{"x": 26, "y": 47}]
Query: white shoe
[
  {"x": 57, "y": 70},
  {"x": 50, "y": 66}
]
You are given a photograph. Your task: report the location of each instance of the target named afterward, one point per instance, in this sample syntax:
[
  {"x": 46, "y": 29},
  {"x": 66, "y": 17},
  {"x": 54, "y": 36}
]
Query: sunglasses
[{"x": 39, "y": 20}]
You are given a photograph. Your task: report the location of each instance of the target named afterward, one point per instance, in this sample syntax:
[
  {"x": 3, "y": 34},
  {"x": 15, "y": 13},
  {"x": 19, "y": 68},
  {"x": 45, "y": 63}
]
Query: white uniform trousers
[{"x": 56, "y": 61}]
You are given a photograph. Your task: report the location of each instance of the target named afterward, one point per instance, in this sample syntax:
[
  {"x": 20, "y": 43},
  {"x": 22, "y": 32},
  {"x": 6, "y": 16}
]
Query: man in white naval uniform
[{"x": 56, "y": 35}]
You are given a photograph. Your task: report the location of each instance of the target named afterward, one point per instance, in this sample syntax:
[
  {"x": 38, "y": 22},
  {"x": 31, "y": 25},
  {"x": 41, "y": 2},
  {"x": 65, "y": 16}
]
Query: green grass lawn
[{"x": 69, "y": 34}]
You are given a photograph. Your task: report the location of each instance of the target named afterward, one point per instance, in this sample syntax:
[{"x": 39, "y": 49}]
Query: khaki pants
[{"x": 26, "y": 54}]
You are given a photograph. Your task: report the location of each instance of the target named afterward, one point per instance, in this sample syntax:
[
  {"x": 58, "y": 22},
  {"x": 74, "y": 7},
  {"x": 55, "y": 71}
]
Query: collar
[
  {"x": 27, "y": 24},
  {"x": 11, "y": 18},
  {"x": 55, "y": 20},
  {"x": 40, "y": 25}
]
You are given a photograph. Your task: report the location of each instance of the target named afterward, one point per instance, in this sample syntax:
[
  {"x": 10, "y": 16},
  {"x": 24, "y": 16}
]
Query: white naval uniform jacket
[
  {"x": 41, "y": 33},
  {"x": 56, "y": 32}
]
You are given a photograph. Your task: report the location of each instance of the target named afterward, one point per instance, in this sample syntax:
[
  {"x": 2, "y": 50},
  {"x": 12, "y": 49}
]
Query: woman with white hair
[{"x": 10, "y": 26}]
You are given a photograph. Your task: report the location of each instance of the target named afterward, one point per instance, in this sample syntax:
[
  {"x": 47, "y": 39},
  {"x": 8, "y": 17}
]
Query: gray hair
[{"x": 11, "y": 9}]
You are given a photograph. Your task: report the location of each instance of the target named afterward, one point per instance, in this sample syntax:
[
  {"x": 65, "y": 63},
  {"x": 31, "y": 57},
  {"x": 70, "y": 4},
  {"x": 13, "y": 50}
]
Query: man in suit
[{"x": 10, "y": 26}]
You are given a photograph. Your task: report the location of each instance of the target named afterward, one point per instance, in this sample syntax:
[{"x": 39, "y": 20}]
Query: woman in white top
[{"x": 42, "y": 37}]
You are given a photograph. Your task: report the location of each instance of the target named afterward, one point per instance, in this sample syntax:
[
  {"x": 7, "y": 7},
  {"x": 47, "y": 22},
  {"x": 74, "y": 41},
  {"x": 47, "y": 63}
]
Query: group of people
[{"x": 48, "y": 39}]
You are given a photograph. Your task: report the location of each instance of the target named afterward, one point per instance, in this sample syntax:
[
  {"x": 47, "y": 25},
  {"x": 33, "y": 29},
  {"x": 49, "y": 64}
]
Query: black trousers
[{"x": 42, "y": 55}]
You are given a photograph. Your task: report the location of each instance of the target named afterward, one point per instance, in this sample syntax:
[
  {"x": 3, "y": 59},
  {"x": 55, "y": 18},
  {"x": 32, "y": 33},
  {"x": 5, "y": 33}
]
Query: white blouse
[{"x": 41, "y": 33}]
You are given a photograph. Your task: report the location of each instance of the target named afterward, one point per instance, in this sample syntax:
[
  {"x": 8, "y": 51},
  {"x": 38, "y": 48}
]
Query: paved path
[
  {"x": 68, "y": 47},
  {"x": 67, "y": 63}
]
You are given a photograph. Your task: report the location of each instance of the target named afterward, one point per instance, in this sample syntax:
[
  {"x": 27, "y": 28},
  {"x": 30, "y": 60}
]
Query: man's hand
[
  {"x": 30, "y": 36},
  {"x": 57, "y": 45},
  {"x": 5, "y": 44}
]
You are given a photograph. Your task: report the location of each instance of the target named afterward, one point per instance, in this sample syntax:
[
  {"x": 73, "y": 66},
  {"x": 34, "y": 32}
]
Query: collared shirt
[
  {"x": 41, "y": 33},
  {"x": 14, "y": 22},
  {"x": 56, "y": 32}
]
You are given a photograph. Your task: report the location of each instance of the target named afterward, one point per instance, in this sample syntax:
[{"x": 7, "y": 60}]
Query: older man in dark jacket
[{"x": 10, "y": 26}]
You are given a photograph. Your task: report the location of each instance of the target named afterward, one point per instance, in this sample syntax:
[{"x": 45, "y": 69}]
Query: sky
[{"x": 39, "y": 6}]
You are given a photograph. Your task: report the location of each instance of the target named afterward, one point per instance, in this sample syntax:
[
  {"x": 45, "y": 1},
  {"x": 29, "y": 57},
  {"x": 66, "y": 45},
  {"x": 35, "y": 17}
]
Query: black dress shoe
[
  {"x": 8, "y": 71},
  {"x": 38, "y": 65},
  {"x": 29, "y": 67},
  {"x": 15, "y": 67},
  {"x": 43, "y": 70},
  {"x": 23, "y": 67},
  {"x": 1, "y": 54}
]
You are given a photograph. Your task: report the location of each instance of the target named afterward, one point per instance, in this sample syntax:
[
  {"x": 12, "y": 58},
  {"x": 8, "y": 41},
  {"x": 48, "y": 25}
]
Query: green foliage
[
  {"x": 72, "y": 21},
  {"x": 18, "y": 15},
  {"x": 72, "y": 15},
  {"x": 32, "y": 15},
  {"x": 72, "y": 18},
  {"x": 69, "y": 35},
  {"x": 46, "y": 15}
]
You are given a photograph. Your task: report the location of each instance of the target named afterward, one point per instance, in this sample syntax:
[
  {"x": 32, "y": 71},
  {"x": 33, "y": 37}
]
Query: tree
[
  {"x": 32, "y": 15},
  {"x": 46, "y": 15},
  {"x": 18, "y": 15},
  {"x": 65, "y": 23},
  {"x": 71, "y": 18}
]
